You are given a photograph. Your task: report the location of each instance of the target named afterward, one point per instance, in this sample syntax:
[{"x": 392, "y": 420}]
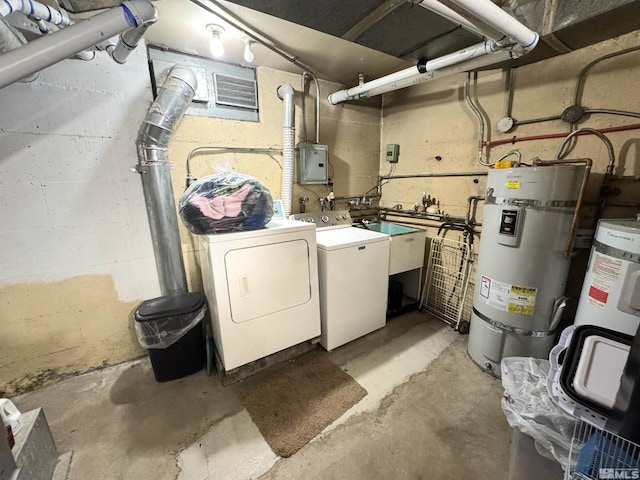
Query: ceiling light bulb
[
  {"x": 249, "y": 57},
  {"x": 215, "y": 44}
]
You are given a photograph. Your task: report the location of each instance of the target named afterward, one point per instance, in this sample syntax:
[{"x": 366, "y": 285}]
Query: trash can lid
[{"x": 169, "y": 306}]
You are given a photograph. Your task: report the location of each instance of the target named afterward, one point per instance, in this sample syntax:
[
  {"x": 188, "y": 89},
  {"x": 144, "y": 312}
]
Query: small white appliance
[
  {"x": 610, "y": 295},
  {"x": 353, "y": 265},
  {"x": 262, "y": 289}
]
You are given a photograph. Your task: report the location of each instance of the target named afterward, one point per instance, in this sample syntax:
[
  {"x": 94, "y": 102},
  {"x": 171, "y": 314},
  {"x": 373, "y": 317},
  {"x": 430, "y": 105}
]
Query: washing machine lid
[
  {"x": 336, "y": 238},
  {"x": 274, "y": 227}
]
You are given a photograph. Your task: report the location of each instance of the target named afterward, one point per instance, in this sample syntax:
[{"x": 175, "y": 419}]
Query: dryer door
[{"x": 266, "y": 279}]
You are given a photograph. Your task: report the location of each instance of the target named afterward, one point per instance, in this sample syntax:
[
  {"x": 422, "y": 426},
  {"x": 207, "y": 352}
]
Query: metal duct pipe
[
  {"x": 285, "y": 93},
  {"x": 155, "y": 170},
  {"x": 49, "y": 49}
]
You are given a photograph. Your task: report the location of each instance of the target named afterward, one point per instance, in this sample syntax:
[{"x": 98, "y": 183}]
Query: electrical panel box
[
  {"x": 313, "y": 164},
  {"x": 393, "y": 151}
]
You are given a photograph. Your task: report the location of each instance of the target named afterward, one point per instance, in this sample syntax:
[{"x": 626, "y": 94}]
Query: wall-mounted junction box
[
  {"x": 393, "y": 151},
  {"x": 313, "y": 164}
]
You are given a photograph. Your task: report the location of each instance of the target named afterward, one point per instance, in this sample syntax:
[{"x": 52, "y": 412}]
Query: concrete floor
[{"x": 429, "y": 413}]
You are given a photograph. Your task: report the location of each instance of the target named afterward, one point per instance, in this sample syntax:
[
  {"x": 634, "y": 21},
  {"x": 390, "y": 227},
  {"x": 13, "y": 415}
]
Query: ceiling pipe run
[
  {"x": 155, "y": 171},
  {"x": 516, "y": 41},
  {"x": 50, "y": 49}
]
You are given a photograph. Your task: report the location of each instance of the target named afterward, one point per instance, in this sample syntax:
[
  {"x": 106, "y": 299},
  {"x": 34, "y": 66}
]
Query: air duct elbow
[
  {"x": 286, "y": 94},
  {"x": 165, "y": 113}
]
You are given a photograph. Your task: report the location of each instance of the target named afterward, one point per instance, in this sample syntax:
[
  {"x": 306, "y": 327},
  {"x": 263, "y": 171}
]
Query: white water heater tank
[
  {"x": 610, "y": 294},
  {"x": 522, "y": 267}
]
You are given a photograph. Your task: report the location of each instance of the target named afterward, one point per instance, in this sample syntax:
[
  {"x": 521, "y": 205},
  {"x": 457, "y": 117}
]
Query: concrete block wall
[
  {"x": 432, "y": 120},
  {"x": 352, "y": 132},
  {"x": 75, "y": 248},
  {"x": 75, "y": 251}
]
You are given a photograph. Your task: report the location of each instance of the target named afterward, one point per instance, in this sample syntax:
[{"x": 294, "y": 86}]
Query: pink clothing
[{"x": 222, "y": 206}]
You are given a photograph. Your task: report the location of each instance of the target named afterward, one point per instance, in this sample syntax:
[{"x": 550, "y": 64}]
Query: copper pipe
[{"x": 587, "y": 162}]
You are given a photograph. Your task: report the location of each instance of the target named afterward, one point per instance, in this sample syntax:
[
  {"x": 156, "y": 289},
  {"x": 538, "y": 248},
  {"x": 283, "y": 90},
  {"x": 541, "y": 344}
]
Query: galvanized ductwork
[{"x": 155, "y": 170}]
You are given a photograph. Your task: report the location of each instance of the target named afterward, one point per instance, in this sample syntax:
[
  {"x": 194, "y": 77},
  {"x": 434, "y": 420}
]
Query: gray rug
[{"x": 293, "y": 402}]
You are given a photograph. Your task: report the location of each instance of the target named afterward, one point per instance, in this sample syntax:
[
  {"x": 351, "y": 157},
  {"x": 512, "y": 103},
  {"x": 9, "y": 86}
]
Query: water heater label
[
  {"x": 507, "y": 297},
  {"x": 605, "y": 271}
]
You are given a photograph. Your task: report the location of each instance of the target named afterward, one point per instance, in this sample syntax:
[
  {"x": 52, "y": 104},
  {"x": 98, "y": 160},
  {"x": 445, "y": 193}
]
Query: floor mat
[{"x": 293, "y": 402}]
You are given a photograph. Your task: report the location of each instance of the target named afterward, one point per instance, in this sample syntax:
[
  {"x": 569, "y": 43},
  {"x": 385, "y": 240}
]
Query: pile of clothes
[{"x": 225, "y": 202}]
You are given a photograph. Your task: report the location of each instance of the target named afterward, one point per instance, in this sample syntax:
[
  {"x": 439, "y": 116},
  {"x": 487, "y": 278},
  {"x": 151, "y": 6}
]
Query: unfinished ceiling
[
  {"x": 404, "y": 30},
  {"x": 339, "y": 39}
]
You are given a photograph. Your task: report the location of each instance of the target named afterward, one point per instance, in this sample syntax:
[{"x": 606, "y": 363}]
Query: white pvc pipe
[
  {"x": 516, "y": 40},
  {"x": 488, "y": 12},
  {"x": 480, "y": 29},
  {"x": 47, "y": 50},
  {"x": 33, "y": 9},
  {"x": 413, "y": 75},
  {"x": 479, "y": 62},
  {"x": 286, "y": 93}
]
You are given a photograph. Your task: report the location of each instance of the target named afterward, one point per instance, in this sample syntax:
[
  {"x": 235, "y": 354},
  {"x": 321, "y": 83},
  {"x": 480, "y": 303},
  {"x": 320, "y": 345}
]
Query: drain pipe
[
  {"x": 285, "y": 93},
  {"x": 516, "y": 40},
  {"x": 155, "y": 171},
  {"x": 54, "y": 47}
]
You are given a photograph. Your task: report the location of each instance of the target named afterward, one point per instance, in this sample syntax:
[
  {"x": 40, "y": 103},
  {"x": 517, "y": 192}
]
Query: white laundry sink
[{"x": 407, "y": 245}]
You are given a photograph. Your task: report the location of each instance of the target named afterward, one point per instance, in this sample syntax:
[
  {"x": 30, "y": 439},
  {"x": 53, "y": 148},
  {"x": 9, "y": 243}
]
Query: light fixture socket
[
  {"x": 248, "y": 54},
  {"x": 215, "y": 44}
]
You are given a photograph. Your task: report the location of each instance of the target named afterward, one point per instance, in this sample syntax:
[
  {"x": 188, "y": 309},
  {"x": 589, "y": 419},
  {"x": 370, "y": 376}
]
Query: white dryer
[{"x": 262, "y": 289}]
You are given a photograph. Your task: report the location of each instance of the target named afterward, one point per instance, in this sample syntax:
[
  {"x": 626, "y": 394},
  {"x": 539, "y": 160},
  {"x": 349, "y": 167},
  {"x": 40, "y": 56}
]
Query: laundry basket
[{"x": 597, "y": 454}]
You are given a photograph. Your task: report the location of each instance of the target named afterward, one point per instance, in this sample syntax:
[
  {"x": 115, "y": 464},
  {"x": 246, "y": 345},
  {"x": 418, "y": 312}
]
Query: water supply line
[
  {"x": 516, "y": 40},
  {"x": 152, "y": 143},
  {"x": 216, "y": 8},
  {"x": 49, "y": 49},
  {"x": 286, "y": 94},
  {"x": 563, "y": 151}
]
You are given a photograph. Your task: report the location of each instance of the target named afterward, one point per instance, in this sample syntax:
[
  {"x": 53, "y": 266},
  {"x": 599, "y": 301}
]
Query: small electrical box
[
  {"x": 313, "y": 164},
  {"x": 393, "y": 151}
]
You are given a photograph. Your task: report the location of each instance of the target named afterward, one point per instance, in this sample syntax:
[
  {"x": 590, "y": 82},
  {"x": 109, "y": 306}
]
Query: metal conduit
[
  {"x": 435, "y": 175},
  {"x": 236, "y": 22}
]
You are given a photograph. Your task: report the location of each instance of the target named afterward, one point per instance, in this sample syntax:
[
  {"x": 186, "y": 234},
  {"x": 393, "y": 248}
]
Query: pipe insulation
[
  {"x": 286, "y": 94},
  {"x": 50, "y": 49},
  {"x": 152, "y": 143}
]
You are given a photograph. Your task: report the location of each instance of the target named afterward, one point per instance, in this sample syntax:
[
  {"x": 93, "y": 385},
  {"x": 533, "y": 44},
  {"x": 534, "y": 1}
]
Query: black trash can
[{"x": 171, "y": 329}]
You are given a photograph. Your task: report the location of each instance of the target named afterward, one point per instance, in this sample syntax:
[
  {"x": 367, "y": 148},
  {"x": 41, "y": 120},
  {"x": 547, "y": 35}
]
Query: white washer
[
  {"x": 353, "y": 265},
  {"x": 262, "y": 289}
]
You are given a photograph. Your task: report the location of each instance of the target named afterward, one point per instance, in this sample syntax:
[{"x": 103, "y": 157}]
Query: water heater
[
  {"x": 610, "y": 294},
  {"x": 522, "y": 266}
]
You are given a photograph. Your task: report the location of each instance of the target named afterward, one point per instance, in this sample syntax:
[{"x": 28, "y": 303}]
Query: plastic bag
[
  {"x": 529, "y": 408},
  {"x": 225, "y": 202},
  {"x": 165, "y": 332}
]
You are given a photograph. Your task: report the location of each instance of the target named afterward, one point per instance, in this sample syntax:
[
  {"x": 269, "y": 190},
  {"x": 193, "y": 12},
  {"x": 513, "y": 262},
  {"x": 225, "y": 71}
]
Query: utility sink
[{"x": 407, "y": 245}]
